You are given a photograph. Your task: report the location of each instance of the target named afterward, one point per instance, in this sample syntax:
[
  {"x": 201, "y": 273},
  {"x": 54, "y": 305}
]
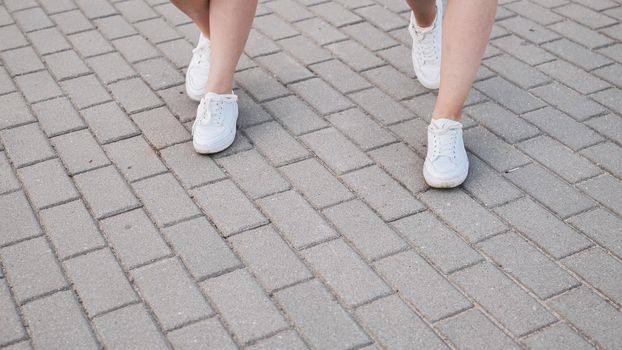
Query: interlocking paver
[
  {"x": 32, "y": 269},
  {"x": 319, "y": 195},
  {"x": 244, "y": 305},
  {"x": 57, "y": 321}
]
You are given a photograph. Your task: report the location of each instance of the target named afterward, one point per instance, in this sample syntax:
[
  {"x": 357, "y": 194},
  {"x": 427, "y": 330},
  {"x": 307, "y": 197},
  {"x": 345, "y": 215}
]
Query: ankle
[{"x": 425, "y": 19}]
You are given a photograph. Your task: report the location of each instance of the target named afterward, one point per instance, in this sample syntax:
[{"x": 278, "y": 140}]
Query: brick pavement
[{"x": 315, "y": 229}]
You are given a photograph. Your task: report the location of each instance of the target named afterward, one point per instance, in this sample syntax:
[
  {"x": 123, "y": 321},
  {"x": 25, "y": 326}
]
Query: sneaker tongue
[{"x": 444, "y": 123}]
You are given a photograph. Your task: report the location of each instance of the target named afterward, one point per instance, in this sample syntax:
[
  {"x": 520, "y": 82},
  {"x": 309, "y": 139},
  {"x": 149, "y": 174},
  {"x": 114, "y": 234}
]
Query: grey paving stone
[
  {"x": 105, "y": 192},
  {"x": 32, "y": 269},
  {"x": 535, "y": 12},
  {"x": 296, "y": 219},
  {"x": 275, "y": 143},
  {"x": 321, "y": 96},
  {"x": 606, "y": 155},
  {"x": 399, "y": 57},
  {"x": 134, "y": 158},
  {"x": 12, "y": 37},
  {"x": 570, "y": 166},
  {"x": 129, "y": 327},
  {"x": 368, "y": 35},
  {"x": 335, "y": 14},
  {"x": 606, "y": 189},
  {"x": 523, "y": 50},
  {"x": 320, "y": 319},
  {"x": 608, "y": 125},
  {"x": 603, "y": 227},
  {"x": 611, "y": 73},
  {"x": 134, "y": 238},
  {"x": 494, "y": 151},
  {"x": 472, "y": 329},
  {"x": 382, "y": 193},
  {"x": 79, "y": 151},
  {"x": 421, "y": 285},
  {"x": 563, "y": 128},
  {"x": 114, "y": 27},
  {"x": 21, "y": 61},
  {"x": 178, "y": 51},
  {"x": 609, "y": 98},
  {"x": 95, "y": 10},
  {"x": 85, "y": 91},
  {"x": 135, "y": 48},
  {"x": 260, "y": 85},
  {"x": 599, "y": 269},
  {"x": 304, "y": 50},
  {"x": 57, "y": 116},
  {"x": 502, "y": 298},
  {"x": 258, "y": 44},
  {"x": 6, "y": 84},
  {"x": 342, "y": 269},
  {"x": 172, "y": 295},
  {"x": 527, "y": 29},
  {"x": 269, "y": 258},
  {"x": 363, "y": 131},
  {"x": 14, "y": 111},
  {"x": 585, "y": 16},
  {"x": 228, "y": 208},
  {"x": 325, "y": 141},
  {"x": 71, "y": 229},
  {"x": 557, "y": 337},
  {"x": 11, "y": 328},
  {"x": 437, "y": 242},
  {"x": 550, "y": 190},
  {"x": 381, "y": 106},
  {"x": 509, "y": 95},
  {"x": 160, "y": 127},
  {"x": 568, "y": 101},
  {"x": 295, "y": 115},
  {"x": 320, "y": 31},
  {"x": 191, "y": 168},
  {"x": 394, "y": 82},
  {"x": 183, "y": 108},
  {"x": 354, "y": 55},
  {"x": 200, "y": 247},
  {"x": 67, "y": 64},
  {"x": 38, "y": 86},
  {"x": 244, "y": 306},
  {"x": 590, "y": 314},
  {"x": 47, "y": 184},
  {"x": 576, "y": 54},
  {"x": 316, "y": 183},
  {"x": 156, "y": 30},
  {"x": 581, "y": 34},
  {"x": 176, "y": 206},
  {"x": 457, "y": 209},
  {"x": 8, "y": 180},
  {"x": 47, "y": 41},
  {"x": 396, "y": 326},
  {"x": 284, "y": 340},
  {"x": 134, "y": 95},
  {"x": 529, "y": 266},
  {"x": 108, "y": 122},
  {"x": 99, "y": 281},
  {"x": 56, "y": 321},
  {"x": 289, "y": 10},
  {"x": 339, "y": 75},
  {"x": 26, "y": 145},
  {"x": 159, "y": 74},
  {"x": 250, "y": 112},
  {"x": 135, "y": 10},
  {"x": 573, "y": 77},
  {"x": 110, "y": 67},
  {"x": 19, "y": 217},
  {"x": 542, "y": 227},
  {"x": 401, "y": 163},
  {"x": 69, "y": 22},
  {"x": 502, "y": 122},
  {"x": 172, "y": 14},
  {"x": 90, "y": 43},
  {"x": 284, "y": 67},
  {"x": 208, "y": 334},
  {"x": 488, "y": 186},
  {"x": 253, "y": 174}
]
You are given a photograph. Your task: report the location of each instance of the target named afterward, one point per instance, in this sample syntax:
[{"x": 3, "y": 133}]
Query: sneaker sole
[
  {"x": 217, "y": 147},
  {"x": 437, "y": 183},
  {"x": 192, "y": 95}
]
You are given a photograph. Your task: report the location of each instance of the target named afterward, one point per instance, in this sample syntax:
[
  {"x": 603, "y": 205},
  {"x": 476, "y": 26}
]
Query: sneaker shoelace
[
  {"x": 213, "y": 112},
  {"x": 202, "y": 53},
  {"x": 426, "y": 50},
  {"x": 444, "y": 142}
]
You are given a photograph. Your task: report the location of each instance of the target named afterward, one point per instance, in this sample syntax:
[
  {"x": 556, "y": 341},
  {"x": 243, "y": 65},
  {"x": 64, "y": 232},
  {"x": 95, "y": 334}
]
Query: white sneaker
[
  {"x": 198, "y": 69},
  {"x": 426, "y": 51},
  {"x": 214, "y": 128},
  {"x": 446, "y": 164}
]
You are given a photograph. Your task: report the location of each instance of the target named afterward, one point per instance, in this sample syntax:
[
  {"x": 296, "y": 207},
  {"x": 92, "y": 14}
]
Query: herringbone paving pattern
[{"x": 315, "y": 229}]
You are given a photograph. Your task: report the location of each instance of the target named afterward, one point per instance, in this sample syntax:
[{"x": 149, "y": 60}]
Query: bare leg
[
  {"x": 230, "y": 22},
  {"x": 424, "y": 10},
  {"x": 466, "y": 28},
  {"x": 198, "y": 11}
]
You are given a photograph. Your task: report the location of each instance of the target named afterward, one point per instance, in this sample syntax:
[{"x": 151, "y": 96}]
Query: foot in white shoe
[
  {"x": 214, "y": 128},
  {"x": 426, "y": 50},
  {"x": 198, "y": 69},
  {"x": 446, "y": 164}
]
